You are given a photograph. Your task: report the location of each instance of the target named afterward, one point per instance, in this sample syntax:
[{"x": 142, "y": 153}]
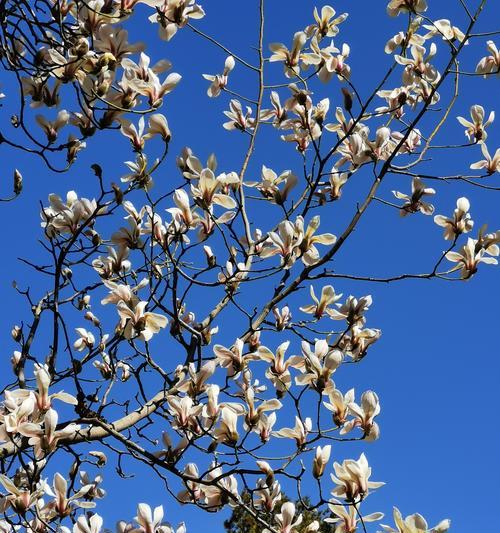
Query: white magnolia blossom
[
  {"x": 489, "y": 164},
  {"x": 414, "y": 202},
  {"x": 489, "y": 64},
  {"x": 353, "y": 479},
  {"x": 219, "y": 81},
  {"x": 460, "y": 222},
  {"x": 476, "y": 130},
  {"x": 415, "y": 523},
  {"x": 469, "y": 257}
]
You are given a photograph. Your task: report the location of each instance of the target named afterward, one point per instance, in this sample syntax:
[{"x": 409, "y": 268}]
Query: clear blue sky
[{"x": 437, "y": 366}]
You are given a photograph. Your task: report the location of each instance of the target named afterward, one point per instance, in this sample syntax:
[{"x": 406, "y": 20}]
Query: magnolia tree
[{"x": 123, "y": 357}]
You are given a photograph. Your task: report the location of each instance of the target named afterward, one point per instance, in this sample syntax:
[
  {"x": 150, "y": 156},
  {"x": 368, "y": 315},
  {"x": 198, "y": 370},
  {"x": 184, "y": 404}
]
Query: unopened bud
[
  {"x": 100, "y": 456},
  {"x": 18, "y": 182},
  {"x": 347, "y": 99},
  {"x": 16, "y": 333},
  {"x": 211, "y": 259},
  {"x": 320, "y": 460},
  {"x": 118, "y": 193},
  {"x": 92, "y": 318}
]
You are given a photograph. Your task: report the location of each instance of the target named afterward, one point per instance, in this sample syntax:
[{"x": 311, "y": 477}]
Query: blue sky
[{"x": 436, "y": 367}]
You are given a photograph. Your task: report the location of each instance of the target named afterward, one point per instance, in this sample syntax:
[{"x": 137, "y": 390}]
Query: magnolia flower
[
  {"x": 191, "y": 167},
  {"x": 489, "y": 64},
  {"x": 298, "y": 433},
  {"x": 114, "y": 40},
  {"x": 415, "y": 523},
  {"x": 67, "y": 69},
  {"x": 326, "y": 25},
  {"x": 219, "y": 81},
  {"x": 227, "y": 431},
  {"x": 45, "y": 440},
  {"x": 193, "y": 490},
  {"x": 233, "y": 275},
  {"x": 142, "y": 69},
  {"x": 51, "y": 128},
  {"x": 86, "y": 340},
  {"x": 233, "y": 358},
  {"x": 490, "y": 164},
  {"x": 238, "y": 120},
  {"x": 171, "y": 453},
  {"x": 206, "y": 191},
  {"x": 396, "y": 99},
  {"x": 409, "y": 142},
  {"x": 266, "y": 497},
  {"x": 309, "y": 252},
  {"x": 321, "y": 306},
  {"x": 468, "y": 259},
  {"x": 153, "y": 88},
  {"x": 488, "y": 242},
  {"x": 182, "y": 212},
  {"x": 278, "y": 113},
  {"x": 357, "y": 340},
  {"x": 88, "y": 525},
  {"x": 405, "y": 38},
  {"x": 444, "y": 28},
  {"x": 283, "y": 317},
  {"x": 138, "y": 322},
  {"x": 335, "y": 64},
  {"x": 333, "y": 190},
  {"x": 19, "y": 499},
  {"x": 115, "y": 263},
  {"x": 253, "y": 413},
  {"x": 63, "y": 504},
  {"x": 364, "y": 416},
  {"x": 317, "y": 366},
  {"x": 95, "y": 491},
  {"x": 285, "y": 519},
  {"x": 352, "y": 479},
  {"x": 418, "y": 65},
  {"x": 322, "y": 59},
  {"x": 216, "y": 495},
  {"x": 196, "y": 382},
  {"x": 185, "y": 412},
  {"x": 284, "y": 242},
  {"x": 265, "y": 426},
  {"x": 149, "y": 521},
  {"x": 158, "y": 125},
  {"x": 346, "y": 519},
  {"x": 122, "y": 293},
  {"x": 269, "y": 187},
  {"x": 43, "y": 398},
  {"x": 395, "y": 7},
  {"x": 18, "y": 408},
  {"x": 321, "y": 458},
  {"x": 461, "y": 221},
  {"x": 290, "y": 58},
  {"x": 66, "y": 217},
  {"x": 136, "y": 136},
  {"x": 173, "y": 14},
  {"x": 476, "y": 130},
  {"x": 413, "y": 202},
  {"x": 338, "y": 404},
  {"x": 354, "y": 149},
  {"x": 352, "y": 310},
  {"x": 278, "y": 373}
]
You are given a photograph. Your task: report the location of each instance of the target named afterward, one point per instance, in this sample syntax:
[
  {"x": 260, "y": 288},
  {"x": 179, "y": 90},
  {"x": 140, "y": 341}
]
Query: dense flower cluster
[{"x": 177, "y": 316}]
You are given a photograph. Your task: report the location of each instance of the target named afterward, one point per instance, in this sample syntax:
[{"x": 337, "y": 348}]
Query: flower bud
[
  {"x": 16, "y": 333},
  {"x": 18, "y": 182},
  {"x": 320, "y": 460}
]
